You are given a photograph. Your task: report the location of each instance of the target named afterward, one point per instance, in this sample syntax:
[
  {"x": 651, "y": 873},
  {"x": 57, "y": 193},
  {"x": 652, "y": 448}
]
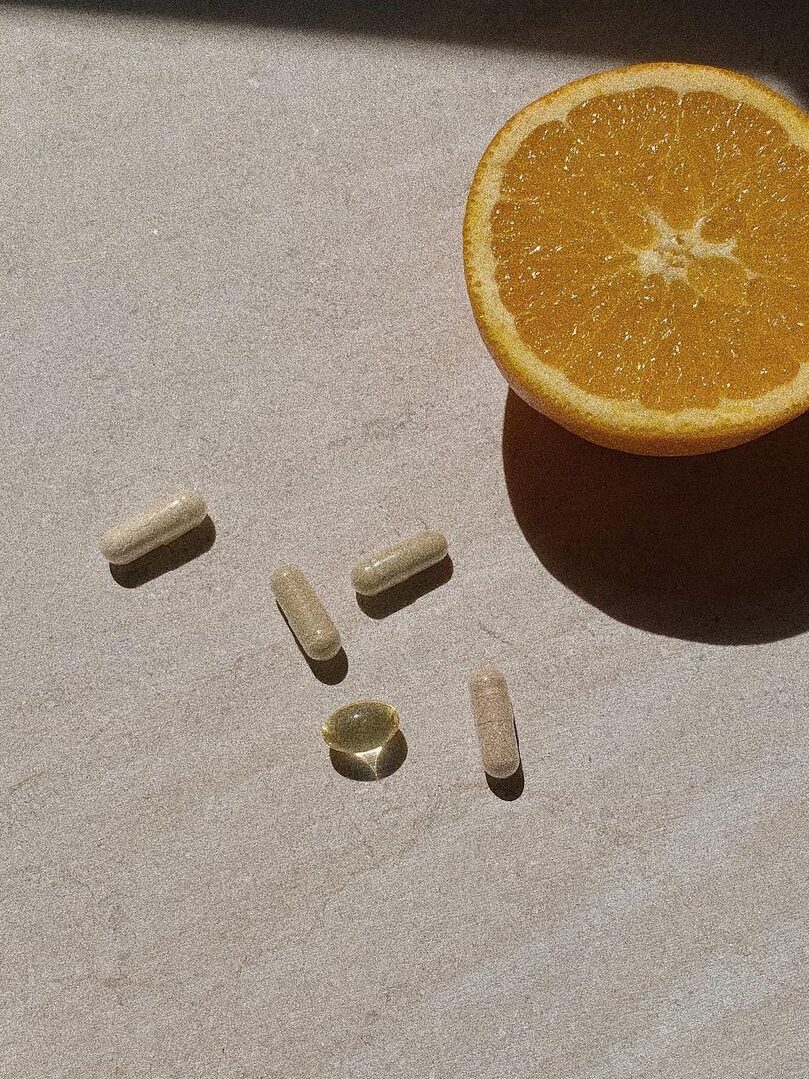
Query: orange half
[{"x": 636, "y": 249}]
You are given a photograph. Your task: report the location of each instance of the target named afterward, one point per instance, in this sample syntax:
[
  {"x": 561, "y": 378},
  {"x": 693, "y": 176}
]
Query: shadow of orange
[{"x": 712, "y": 548}]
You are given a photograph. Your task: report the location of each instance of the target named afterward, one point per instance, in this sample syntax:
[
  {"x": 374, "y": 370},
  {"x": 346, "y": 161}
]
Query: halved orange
[{"x": 636, "y": 248}]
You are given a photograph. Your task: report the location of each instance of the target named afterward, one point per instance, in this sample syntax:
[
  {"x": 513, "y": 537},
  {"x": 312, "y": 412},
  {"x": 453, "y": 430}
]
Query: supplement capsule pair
[
  {"x": 369, "y": 725},
  {"x": 308, "y": 618}
]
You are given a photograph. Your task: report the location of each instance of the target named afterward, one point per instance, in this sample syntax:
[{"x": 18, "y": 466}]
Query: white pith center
[{"x": 673, "y": 250}]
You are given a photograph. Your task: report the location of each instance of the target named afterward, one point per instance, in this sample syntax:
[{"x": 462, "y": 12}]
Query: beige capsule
[
  {"x": 494, "y": 722},
  {"x": 392, "y": 565},
  {"x": 308, "y": 618},
  {"x": 158, "y": 524}
]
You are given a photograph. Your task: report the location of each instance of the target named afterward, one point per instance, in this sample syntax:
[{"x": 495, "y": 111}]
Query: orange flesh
[{"x": 656, "y": 247}]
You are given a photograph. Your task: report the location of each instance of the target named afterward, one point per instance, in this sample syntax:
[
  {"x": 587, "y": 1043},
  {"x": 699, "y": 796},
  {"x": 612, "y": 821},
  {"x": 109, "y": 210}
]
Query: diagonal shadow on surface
[
  {"x": 748, "y": 34},
  {"x": 710, "y": 548}
]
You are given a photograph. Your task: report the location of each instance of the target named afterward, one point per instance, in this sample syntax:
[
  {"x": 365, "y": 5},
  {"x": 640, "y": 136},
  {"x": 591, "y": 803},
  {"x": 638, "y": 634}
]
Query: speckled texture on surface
[{"x": 229, "y": 258}]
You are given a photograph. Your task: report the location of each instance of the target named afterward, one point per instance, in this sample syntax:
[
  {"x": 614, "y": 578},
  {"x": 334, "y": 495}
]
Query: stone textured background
[{"x": 229, "y": 258}]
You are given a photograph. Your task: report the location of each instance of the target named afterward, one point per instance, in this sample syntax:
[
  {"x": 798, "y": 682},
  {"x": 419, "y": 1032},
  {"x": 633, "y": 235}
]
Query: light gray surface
[{"x": 230, "y": 260}]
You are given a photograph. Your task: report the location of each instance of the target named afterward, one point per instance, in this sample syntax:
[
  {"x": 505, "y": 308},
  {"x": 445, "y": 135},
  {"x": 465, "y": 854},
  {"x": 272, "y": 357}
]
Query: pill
[
  {"x": 494, "y": 721},
  {"x": 158, "y": 524},
  {"x": 307, "y": 617},
  {"x": 391, "y": 566},
  {"x": 361, "y": 727}
]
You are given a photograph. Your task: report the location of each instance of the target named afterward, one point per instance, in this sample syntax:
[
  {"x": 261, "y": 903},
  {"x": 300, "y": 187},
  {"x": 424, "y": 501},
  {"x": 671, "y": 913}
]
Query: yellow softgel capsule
[
  {"x": 361, "y": 727},
  {"x": 157, "y": 525},
  {"x": 386, "y": 568},
  {"x": 494, "y": 722},
  {"x": 307, "y": 617}
]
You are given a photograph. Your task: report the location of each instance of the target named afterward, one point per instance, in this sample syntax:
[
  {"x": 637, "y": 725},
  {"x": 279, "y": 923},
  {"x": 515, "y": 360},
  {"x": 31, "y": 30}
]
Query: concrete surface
[{"x": 229, "y": 259}]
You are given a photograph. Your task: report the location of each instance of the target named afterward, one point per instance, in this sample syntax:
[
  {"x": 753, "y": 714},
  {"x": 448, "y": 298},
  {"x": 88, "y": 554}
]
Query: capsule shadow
[
  {"x": 367, "y": 767},
  {"x": 402, "y": 595},
  {"x": 508, "y": 789},
  {"x": 163, "y": 559},
  {"x": 328, "y": 671}
]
